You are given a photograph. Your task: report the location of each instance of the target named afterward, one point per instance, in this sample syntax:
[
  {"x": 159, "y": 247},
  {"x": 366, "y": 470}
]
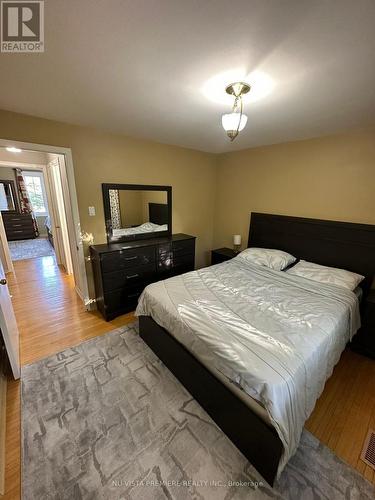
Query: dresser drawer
[
  {"x": 17, "y": 220},
  {"x": 20, "y": 235},
  {"x": 125, "y": 277},
  {"x": 19, "y": 224},
  {"x": 14, "y": 217},
  {"x": 126, "y": 259},
  {"x": 183, "y": 247},
  {"x": 24, "y": 230},
  {"x": 183, "y": 260},
  {"x": 182, "y": 269},
  {"x": 125, "y": 299}
]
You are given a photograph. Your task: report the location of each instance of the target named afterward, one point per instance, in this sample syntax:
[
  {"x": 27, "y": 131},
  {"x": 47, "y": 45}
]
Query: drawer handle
[
  {"x": 131, "y": 258},
  {"x": 133, "y": 295},
  {"x": 132, "y": 276}
]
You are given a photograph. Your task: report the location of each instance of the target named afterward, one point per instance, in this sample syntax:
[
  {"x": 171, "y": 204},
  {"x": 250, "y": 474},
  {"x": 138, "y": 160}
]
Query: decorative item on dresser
[
  {"x": 221, "y": 255},
  {"x": 18, "y": 226},
  {"x": 364, "y": 341},
  {"x": 122, "y": 270}
]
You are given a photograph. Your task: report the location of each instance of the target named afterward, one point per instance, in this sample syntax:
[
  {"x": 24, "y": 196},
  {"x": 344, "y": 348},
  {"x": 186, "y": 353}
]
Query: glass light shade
[
  {"x": 230, "y": 121},
  {"x": 12, "y": 149}
]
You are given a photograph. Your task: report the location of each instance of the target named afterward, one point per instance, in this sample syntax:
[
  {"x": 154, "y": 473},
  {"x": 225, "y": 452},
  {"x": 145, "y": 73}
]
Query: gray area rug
[
  {"x": 29, "y": 249},
  {"x": 107, "y": 420}
]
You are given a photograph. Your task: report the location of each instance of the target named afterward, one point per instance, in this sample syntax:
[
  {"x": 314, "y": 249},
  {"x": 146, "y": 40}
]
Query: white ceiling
[
  {"x": 144, "y": 68},
  {"x": 31, "y": 157}
]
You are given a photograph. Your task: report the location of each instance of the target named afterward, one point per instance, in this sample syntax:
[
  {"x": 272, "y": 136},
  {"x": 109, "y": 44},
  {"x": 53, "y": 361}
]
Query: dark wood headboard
[
  {"x": 158, "y": 213},
  {"x": 338, "y": 244}
]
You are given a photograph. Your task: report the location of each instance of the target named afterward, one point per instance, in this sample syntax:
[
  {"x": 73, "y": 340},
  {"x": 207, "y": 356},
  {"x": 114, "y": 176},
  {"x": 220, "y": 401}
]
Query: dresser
[
  {"x": 122, "y": 270},
  {"x": 18, "y": 226}
]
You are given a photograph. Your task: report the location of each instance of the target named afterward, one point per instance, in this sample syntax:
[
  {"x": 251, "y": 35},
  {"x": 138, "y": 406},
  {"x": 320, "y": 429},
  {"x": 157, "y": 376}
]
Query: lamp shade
[
  {"x": 237, "y": 239},
  {"x": 230, "y": 121}
]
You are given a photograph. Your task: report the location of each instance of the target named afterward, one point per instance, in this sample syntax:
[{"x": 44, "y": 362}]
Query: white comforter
[
  {"x": 275, "y": 335},
  {"x": 147, "y": 227}
]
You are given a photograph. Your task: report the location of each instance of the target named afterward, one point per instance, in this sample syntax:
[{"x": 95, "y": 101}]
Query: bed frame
[
  {"x": 158, "y": 213},
  {"x": 340, "y": 244}
]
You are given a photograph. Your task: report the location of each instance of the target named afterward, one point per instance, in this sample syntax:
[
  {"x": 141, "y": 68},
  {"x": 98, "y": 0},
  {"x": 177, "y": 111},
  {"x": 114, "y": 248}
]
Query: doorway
[
  {"x": 24, "y": 208},
  {"x": 39, "y": 210}
]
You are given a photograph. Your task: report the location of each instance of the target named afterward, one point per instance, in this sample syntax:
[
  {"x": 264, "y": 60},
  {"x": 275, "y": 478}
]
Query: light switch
[{"x": 92, "y": 211}]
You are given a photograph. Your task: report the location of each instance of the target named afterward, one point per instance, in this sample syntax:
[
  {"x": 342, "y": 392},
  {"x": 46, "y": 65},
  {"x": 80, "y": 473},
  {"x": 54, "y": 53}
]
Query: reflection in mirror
[
  {"x": 7, "y": 202},
  {"x": 138, "y": 212}
]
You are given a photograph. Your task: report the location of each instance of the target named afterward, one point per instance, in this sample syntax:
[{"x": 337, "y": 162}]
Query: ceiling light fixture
[
  {"x": 12, "y": 149},
  {"x": 235, "y": 121}
]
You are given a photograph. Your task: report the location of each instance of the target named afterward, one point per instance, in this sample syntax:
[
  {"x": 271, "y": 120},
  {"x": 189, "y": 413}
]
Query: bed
[
  {"x": 158, "y": 221},
  {"x": 146, "y": 227},
  {"x": 255, "y": 346}
]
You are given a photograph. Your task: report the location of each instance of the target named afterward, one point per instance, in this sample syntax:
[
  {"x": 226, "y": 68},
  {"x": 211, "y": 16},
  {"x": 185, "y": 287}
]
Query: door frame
[
  {"x": 55, "y": 218},
  {"x": 72, "y": 212}
]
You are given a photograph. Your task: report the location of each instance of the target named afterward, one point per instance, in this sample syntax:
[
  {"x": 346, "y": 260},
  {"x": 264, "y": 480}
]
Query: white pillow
[
  {"x": 274, "y": 259},
  {"x": 325, "y": 274}
]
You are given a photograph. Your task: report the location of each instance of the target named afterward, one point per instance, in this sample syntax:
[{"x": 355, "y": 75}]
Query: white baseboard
[
  {"x": 90, "y": 304},
  {"x": 79, "y": 293}
]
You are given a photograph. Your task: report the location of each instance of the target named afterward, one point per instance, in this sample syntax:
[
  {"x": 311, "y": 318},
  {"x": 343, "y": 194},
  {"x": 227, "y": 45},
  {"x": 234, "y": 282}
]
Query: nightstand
[
  {"x": 364, "y": 340},
  {"x": 221, "y": 255}
]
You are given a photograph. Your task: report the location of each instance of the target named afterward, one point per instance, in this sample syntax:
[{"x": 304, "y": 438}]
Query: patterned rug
[
  {"x": 29, "y": 249},
  {"x": 106, "y": 420}
]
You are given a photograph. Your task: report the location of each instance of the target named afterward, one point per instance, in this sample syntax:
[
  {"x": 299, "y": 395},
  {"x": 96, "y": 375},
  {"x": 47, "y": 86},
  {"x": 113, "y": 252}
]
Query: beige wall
[
  {"x": 130, "y": 207},
  {"x": 7, "y": 173},
  {"x": 329, "y": 178},
  {"x": 103, "y": 157}
]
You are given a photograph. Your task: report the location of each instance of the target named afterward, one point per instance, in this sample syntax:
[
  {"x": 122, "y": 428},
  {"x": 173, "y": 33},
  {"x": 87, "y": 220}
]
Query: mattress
[
  {"x": 271, "y": 335},
  {"x": 252, "y": 403},
  {"x": 147, "y": 227}
]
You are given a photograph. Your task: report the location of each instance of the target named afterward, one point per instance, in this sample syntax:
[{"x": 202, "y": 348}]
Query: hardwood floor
[
  {"x": 51, "y": 317},
  {"x": 346, "y": 410}
]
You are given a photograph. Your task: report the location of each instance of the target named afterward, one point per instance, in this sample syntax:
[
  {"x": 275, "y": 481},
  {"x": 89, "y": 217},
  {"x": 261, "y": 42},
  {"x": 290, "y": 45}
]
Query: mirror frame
[
  {"x": 134, "y": 187},
  {"x": 15, "y": 197}
]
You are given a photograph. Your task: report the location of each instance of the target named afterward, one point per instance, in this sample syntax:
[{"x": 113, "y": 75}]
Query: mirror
[
  {"x": 8, "y": 198},
  {"x": 136, "y": 212}
]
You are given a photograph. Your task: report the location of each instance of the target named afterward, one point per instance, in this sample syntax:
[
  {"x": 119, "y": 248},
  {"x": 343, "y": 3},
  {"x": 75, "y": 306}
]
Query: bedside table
[
  {"x": 364, "y": 340},
  {"x": 221, "y": 255}
]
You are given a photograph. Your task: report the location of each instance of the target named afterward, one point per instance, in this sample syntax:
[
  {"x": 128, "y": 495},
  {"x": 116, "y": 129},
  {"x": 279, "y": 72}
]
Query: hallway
[
  {"x": 50, "y": 317},
  {"x": 30, "y": 249}
]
